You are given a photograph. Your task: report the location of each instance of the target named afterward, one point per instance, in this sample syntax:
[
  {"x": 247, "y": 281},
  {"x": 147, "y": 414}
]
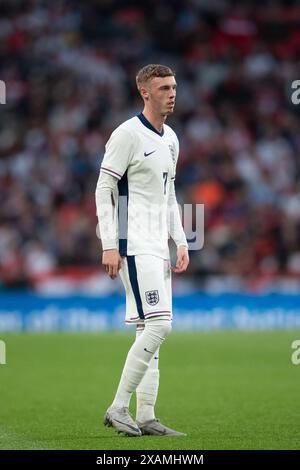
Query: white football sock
[
  {"x": 139, "y": 357},
  {"x": 147, "y": 390}
]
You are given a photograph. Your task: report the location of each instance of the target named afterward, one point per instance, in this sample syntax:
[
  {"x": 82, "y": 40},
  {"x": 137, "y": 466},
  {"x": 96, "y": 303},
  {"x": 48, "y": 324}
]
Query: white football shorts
[{"x": 147, "y": 282}]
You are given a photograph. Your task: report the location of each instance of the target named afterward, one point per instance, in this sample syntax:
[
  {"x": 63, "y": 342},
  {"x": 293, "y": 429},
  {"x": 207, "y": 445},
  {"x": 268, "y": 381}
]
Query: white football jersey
[{"x": 144, "y": 162}]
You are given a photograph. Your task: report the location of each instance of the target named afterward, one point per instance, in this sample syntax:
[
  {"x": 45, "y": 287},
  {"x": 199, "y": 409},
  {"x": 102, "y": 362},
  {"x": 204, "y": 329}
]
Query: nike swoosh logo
[
  {"x": 147, "y": 154},
  {"x": 125, "y": 424},
  {"x": 145, "y": 349}
]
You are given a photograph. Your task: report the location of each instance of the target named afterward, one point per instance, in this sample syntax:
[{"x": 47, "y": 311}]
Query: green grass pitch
[{"x": 226, "y": 390}]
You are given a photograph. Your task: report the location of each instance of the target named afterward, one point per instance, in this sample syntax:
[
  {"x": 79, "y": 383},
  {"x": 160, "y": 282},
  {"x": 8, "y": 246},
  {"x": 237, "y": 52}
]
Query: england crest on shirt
[{"x": 152, "y": 297}]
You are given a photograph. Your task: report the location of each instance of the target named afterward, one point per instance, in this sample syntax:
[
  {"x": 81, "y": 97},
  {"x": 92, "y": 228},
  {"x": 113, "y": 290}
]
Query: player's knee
[
  {"x": 159, "y": 328},
  {"x": 166, "y": 328}
]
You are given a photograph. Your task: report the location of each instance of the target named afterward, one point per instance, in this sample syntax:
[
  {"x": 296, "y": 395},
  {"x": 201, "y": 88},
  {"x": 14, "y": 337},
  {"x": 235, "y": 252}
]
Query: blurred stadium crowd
[{"x": 69, "y": 69}]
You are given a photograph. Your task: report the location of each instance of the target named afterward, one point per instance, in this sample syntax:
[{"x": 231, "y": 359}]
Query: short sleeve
[{"x": 118, "y": 153}]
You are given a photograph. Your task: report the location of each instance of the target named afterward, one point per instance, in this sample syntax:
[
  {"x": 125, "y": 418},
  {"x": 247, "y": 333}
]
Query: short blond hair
[{"x": 151, "y": 71}]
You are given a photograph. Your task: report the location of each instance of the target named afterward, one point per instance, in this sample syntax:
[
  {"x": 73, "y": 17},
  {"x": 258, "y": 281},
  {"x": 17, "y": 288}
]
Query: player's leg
[
  {"x": 155, "y": 301},
  {"x": 137, "y": 362},
  {"x": 139, "y": 358},
  {"x": 140, "y": 276},
  {"x": 147, "y": 390}
]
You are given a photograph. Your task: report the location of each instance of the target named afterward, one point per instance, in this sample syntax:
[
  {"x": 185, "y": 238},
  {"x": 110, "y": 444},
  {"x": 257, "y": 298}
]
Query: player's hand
[
  {"x": 182, "y": 260},
  {"x": 112, "y": 262}
]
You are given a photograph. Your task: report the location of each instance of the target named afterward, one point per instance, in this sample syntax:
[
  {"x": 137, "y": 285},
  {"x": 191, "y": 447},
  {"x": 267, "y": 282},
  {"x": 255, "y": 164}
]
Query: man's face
[{"x": 161, "y": 94}]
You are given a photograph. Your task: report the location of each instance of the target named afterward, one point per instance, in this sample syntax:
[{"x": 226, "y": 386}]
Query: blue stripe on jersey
[
  {"x": 135, "y": 286},
  {"x": 149, "y": 125},
  {"x": 123, "y": 214}
]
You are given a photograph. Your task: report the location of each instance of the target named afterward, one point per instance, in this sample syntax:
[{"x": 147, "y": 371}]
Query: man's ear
[{"x": 144, "y": 93}]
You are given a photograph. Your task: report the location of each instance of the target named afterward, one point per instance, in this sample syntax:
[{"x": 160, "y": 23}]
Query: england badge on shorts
[{"x": 152, "y": 297}]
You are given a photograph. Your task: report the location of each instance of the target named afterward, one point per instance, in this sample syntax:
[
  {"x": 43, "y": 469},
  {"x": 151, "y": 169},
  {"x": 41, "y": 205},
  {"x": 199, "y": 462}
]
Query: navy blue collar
[{"x": 149, "y": 125}]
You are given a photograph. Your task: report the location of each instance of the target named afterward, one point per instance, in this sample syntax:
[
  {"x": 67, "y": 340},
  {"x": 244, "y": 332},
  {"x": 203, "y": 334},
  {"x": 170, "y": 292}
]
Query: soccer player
[{"x": 139, "y": 164}]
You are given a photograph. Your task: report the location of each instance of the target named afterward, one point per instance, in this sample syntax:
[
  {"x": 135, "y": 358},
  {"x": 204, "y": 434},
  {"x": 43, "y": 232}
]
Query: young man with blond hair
[{"x": 139, "y": 168}]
